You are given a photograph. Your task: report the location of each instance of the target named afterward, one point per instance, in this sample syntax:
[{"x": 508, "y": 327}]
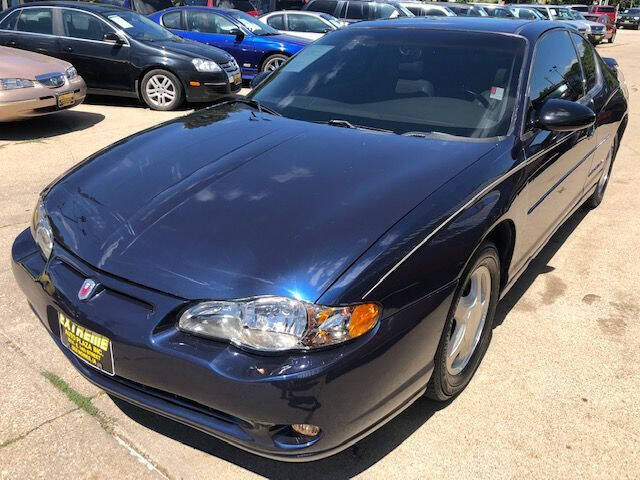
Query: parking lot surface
[{"x": 557, "y": 395}]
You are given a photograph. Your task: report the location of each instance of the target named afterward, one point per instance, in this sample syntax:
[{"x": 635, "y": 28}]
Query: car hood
[
  {"x": 230, "y": 203},
  {"x": 191, "y": 49},
  {"x": 14, "y": 62}
]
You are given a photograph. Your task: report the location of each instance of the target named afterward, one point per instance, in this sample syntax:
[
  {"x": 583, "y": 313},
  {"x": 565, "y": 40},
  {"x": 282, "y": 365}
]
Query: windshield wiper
[
  {"x": 346, "y": 124},
  {"x": 255, "y": 104}
]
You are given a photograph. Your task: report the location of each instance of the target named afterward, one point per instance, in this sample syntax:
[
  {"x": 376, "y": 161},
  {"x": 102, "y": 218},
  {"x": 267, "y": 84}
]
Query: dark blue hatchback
[
  {"x": 290, "y": 270},
  {"x": 255, "y": 45}
]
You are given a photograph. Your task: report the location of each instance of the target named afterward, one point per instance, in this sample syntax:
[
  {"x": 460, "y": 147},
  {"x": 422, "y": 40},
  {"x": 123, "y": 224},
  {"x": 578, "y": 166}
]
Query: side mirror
[
  {"x": 239, "y": 34},
  {"x": 559, "y": 115},
  {"x": 259, "y": 78},
  {"x": 112, "y": 37}
]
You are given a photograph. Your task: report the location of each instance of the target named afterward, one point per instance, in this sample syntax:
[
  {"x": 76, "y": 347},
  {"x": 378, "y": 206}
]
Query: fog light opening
[{"x": 306, "y": 429}]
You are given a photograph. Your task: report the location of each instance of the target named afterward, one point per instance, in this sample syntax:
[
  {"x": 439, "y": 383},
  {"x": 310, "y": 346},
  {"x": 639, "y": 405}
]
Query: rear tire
[
  {"x": 161, "y": 90},
  {"x": 596, "y": 197},
  {"x": 612, "y": 38},
  {"x": 472, "y": 312}
]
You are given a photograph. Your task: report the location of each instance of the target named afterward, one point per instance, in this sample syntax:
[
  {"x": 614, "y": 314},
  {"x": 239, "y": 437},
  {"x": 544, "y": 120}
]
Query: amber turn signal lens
[
  {"x": 363, "y": 319},
  {"x": 194, "y": 84}
]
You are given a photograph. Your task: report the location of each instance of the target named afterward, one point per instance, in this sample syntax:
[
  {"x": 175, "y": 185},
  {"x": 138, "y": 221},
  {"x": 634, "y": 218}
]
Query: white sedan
[{"x": 311, "y": 25}]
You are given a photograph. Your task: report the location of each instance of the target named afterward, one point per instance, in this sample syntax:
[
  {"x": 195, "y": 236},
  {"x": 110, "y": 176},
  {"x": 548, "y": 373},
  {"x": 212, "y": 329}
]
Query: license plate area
[
  {"x": 92, "y": 348},
  {"x": 65, "y": 99}
]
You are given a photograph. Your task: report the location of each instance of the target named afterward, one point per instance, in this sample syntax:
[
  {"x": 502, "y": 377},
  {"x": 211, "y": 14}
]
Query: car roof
[
  {"x": 530, "y": 29},
  {"x": 89, "y": 7}
]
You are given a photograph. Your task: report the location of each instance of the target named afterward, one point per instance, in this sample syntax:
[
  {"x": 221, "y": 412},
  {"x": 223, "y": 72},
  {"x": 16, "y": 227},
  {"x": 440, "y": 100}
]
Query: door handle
[{"x": 68, "y": 49}]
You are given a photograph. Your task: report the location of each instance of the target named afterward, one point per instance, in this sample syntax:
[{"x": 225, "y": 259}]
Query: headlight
[
  {"x": 278, "y": 323},
  {"x": 41, "y": 230},
  {"x": 203, "y": 65},
  {"x": 636, "y": 18},
  {"x": 14, "y": 83},
  {"x": 71, "y": 73}
]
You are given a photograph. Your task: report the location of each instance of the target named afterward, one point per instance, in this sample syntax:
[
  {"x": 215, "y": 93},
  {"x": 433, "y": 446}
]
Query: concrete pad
[
  {"x": 27, "y": 399},
  {"x": 73, "y": 446}
]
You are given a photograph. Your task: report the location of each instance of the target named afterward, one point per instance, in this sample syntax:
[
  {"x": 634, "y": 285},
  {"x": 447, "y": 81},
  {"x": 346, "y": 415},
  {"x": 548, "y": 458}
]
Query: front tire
[
  {"x": 273, "y": 62},
  {"x": 161, "y": 90},
  {"x": 467, "y": 331},
  {"x": 612, "y": 38}
]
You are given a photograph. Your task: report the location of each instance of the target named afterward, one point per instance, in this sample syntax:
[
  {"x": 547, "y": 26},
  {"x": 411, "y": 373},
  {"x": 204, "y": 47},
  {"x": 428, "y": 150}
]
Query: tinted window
[
  {"x": 147, "y": 7},
  {"x": 526, "y": 14},
  {"x": 196, "y": 3},
  {"x": 79, "y": 24},
  {"x": 35, "y": 20},
  {"x": 543, "y": 12},
  {"x": 434, "y": 12},
  {"x": 355, "y": 11},
  {"x": 252, "y": 24},
  {"x": 9, "y": 22},
  {"x": 202, "y": 21},
  {"x": 172, "y": 20},
  {"x": 409, "y": 80},
  {"x": 306, "y": 23},
  {"x": 586, "y": 53},
  {"x": 326, "y": 6},
  {"x": 384, "y": 10},
  {"x": 500, "y": 12},
  {"x": 277, "y": 22},
  {"x": 139, "y": 26},
  {"x": 556, "y": 70},
  {"x": 416, "y": 10}
]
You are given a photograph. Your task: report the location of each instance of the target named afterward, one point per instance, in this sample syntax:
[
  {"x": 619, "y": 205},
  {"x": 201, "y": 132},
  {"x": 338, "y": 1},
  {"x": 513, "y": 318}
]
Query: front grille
[
  {"x": 230, "y": 67},
  {"x": 51, "y": 80}
]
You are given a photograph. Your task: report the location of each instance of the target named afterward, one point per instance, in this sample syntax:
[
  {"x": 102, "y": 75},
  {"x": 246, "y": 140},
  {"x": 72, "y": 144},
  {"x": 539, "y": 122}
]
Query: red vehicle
[
  {"x": 246, "y": 6},
  {"x": 608, "y": 10},
  {"x": 611, "y": 29}
]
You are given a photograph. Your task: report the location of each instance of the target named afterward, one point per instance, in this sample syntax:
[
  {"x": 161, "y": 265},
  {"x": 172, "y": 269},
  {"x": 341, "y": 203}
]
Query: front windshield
[
  {"x": 252, "y": 24},
  {"x": 332, "y": 20},
  {"x": 139, "y": 26},
  {"x": 402, "y": 80},
  {"x": 576, "y": 15}
]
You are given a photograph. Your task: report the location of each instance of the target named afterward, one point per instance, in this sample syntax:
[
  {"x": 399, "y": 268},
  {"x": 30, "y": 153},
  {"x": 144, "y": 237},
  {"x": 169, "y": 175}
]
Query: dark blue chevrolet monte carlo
[{"x": 289, "y": 271}]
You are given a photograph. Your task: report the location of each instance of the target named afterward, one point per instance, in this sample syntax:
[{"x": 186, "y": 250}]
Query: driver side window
[
  {"x": 556, "y": 70},
  {"x": 205, "y": 22}
]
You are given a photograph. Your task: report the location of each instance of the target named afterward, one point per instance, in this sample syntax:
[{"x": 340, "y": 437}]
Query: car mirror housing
[
  {"x": 239, "y": 34},
  {"x": 559, "y": 115},
  {"x": 112, "y": 37}
]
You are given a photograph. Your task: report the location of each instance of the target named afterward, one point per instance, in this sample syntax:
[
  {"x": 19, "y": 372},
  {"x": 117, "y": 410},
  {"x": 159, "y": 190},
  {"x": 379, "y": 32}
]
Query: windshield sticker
[
  {"x": 496, "y": 93},
  {"x": 120, "y": 21},
  {"x": 307, "y": 57}
]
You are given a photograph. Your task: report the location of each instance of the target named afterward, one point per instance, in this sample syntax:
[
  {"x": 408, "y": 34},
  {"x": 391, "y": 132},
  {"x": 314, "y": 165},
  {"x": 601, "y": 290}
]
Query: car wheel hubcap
[
  {"x": 160, "y": 90},
  {"x": 469, "y": 319},
  {"x": 273, "y": 63}
]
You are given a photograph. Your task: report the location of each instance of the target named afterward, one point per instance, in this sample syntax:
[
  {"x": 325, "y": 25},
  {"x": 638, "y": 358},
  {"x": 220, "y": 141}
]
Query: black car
[
  {"x": 629, "y": 19},
  {"x": 291, "y": 270},
  {"x": 120, "y": 52},
  {"x": 358, "y": 10}
]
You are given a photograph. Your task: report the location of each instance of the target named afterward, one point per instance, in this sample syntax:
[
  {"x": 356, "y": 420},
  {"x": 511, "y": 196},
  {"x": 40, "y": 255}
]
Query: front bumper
[
  {"x": 245, "y": 399},
  {"x": 24, "y": 103},
  {"x": 595, "y": 37},
  {"x": 206, "y": 87},
  {"x": 627, "y": 23}
]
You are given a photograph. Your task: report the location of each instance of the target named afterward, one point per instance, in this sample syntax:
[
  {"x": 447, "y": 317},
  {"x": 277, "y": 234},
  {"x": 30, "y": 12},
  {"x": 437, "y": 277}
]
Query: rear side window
[
  {"x": 325, "y": 6},
  {"x": 35, "y": 20},
  {"x": 355, "y": 11},
  {"x": 306, "y": 23},
  {"x": 544, "y": 12},
  {"x": 434, "y": 12},
  {"x": 586, "y": 53},
  {"x": 556, "y": 71},
  {"x": 9, "y": 22},
  {"x": 276, "y": 21},
  {"x": 172, "y": 20}
]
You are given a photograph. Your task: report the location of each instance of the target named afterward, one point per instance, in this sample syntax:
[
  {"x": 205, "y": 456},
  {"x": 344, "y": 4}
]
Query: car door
[
  {"x": 557, "y": 161},
  {"x": 595, "y": 98},
  {"x": 104, "y": 64},
  {"x": 32, "y": 30},
  {"x": 217, "y": 30}
]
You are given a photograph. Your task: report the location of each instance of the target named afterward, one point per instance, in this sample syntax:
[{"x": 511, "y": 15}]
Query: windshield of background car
[
  {"x": 576, "y": 15},
  {"x": 250, "y": 23},
  {"x": 402, "y": 80},
  {"x": 139, "y": 27},
  {"x": 560, "y": 13},
  {"x": 331, "y": 19}
]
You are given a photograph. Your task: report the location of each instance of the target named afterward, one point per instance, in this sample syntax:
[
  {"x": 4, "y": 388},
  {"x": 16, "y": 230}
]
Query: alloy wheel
[
  {"x": 273, "y": 63},
  {"x": 469, "y": 319},
  {"x": 160, "y": 90}
]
